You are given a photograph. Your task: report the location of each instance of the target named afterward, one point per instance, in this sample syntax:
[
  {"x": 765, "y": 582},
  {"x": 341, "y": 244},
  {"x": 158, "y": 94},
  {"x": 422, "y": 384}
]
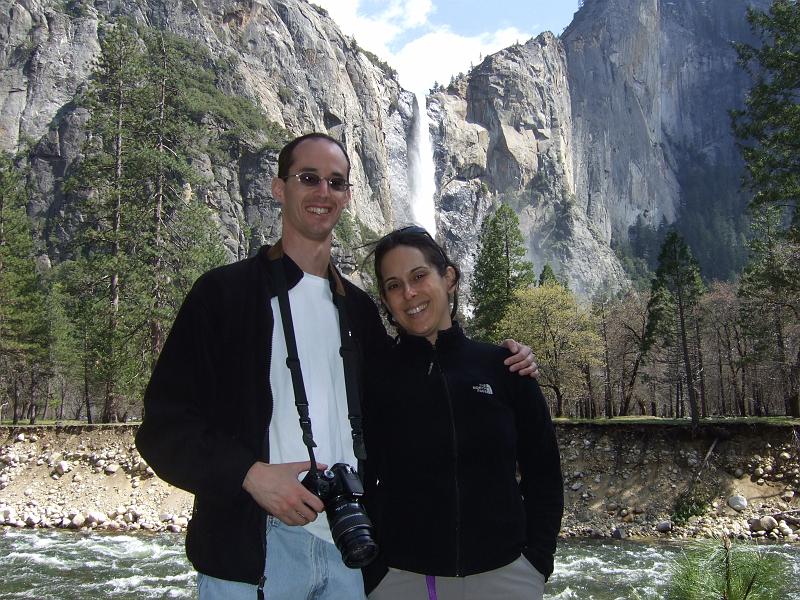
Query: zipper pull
[{"x": 430, "y": 367}]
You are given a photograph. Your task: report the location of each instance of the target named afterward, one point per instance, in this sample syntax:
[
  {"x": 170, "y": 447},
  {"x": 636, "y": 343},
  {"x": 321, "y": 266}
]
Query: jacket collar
[
  {"x": 445, "y": 340},
  {"x": 294, "y": 273}
]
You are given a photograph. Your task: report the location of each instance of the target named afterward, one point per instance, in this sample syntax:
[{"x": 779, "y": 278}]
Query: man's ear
[{"x": 278, "y": 185}]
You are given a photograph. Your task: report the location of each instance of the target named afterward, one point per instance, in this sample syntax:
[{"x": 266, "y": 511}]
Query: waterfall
[{"x": 422, "y": 175}]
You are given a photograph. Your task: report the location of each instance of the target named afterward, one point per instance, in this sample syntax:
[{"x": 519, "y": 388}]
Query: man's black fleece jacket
[
  {"x": 208, "y": 405},
  {"x": 446, "y": 426}
]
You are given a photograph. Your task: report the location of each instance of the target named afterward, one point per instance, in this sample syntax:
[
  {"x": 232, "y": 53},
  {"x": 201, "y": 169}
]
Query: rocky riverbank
[{"x": 620, "y": 480}]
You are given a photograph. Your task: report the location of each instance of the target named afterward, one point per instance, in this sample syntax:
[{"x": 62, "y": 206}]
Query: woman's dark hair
[
  {"x": 286, "y": 156},
  {"x": 416, "y": 237}
]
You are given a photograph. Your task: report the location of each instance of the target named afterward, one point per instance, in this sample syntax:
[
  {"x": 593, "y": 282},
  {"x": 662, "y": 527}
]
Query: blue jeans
[{"x": 300, "y": 566}]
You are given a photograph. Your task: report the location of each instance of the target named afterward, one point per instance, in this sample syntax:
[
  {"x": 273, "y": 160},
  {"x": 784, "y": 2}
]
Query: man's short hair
[{"x": 286, "y": 158}]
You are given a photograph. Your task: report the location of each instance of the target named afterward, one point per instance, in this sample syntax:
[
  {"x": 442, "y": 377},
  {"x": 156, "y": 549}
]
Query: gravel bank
[{"x": 619, "y": 480}]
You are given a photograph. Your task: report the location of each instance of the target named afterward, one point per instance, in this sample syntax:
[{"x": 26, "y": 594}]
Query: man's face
[{"x": 310, "y": 212}]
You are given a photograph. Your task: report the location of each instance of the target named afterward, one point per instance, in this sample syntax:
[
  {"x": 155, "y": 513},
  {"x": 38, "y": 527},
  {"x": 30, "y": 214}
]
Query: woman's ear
[
  {"x": 452, "y": 280},
  {"x": 389, "y": 316}
]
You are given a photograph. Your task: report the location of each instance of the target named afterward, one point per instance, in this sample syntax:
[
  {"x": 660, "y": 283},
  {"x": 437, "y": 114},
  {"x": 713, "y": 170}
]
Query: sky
[{"x": 429, "y": 41}]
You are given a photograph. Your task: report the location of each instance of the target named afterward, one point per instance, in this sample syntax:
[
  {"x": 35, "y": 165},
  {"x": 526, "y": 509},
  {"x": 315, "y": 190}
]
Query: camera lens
[{"x": 351, "y": 532}]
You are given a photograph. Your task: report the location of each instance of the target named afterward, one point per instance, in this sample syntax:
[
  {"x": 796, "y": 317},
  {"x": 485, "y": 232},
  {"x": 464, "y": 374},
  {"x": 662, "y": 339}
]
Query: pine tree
[
  {"x": 773, "y": 311},
  {"x": 728, "y": 570},
  {"x": 172, "y": 219},
  {"x": 769, "y": 129},
  {"x": 769, "y": 125},
  {"x": 108, "y": 184},
  {"x": 63, "y": 347},
  {"x": 85, "y": 297},
  {"x": 548, "y": 276},
  {"x": 500, "y": 271},
  {"x": 23, "y": 325},
  {"x": 142, "y": 237},
  {"x": 676, "y": 290}
]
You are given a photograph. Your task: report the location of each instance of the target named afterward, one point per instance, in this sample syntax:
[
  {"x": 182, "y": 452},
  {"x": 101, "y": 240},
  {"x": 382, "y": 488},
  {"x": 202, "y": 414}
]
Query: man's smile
[{"x": 318, "y": 210}]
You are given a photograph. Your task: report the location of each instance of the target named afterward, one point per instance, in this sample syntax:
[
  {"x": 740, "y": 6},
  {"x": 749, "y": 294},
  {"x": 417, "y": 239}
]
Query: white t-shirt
[{"x": 316, "y": 326}]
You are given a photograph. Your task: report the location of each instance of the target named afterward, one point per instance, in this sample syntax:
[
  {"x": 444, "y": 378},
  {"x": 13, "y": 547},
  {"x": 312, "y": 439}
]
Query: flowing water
[
  {"x": 423, "y": 185},
  {"x": 62, "y": 565}
]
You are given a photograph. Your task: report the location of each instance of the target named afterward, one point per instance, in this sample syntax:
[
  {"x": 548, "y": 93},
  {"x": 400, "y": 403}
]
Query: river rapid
[{"x": 75, "y": 566}]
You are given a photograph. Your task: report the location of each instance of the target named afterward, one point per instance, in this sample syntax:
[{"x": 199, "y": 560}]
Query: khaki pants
[{"x": 516, "y": 581}]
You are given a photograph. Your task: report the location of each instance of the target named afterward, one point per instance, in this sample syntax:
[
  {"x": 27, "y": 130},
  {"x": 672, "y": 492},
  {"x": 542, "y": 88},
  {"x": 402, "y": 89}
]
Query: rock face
[
  {"x": 651, "y": 85},
  {"x": 583, "y": 135},
  {"x": 504, "y": 133},
  {"x": 288, "y": 57},
  {"x": 587, "y": 134}
]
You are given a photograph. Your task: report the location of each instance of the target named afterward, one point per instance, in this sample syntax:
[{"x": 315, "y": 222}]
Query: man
[{"x": 220, "y": 419}]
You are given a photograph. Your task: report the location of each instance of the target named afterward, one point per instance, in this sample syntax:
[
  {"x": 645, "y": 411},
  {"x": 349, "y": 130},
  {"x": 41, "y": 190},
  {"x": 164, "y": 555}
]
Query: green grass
[
  {"x": 693, "y": 502},
  {"x": 616, "y": 421},
  {"x": 65, "y": 422},
  {"x": 643, "y": 420}
]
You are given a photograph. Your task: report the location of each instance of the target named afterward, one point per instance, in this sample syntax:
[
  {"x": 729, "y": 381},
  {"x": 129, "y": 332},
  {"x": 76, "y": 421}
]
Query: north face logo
[{"x": 483, "y": 388}]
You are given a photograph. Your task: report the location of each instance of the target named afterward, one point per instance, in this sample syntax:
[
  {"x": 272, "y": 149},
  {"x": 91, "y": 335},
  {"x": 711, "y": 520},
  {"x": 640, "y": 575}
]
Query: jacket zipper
[
  {"x": 265, "y": 456},
  {"x": 454, "y": 438},
  {"x": 263, "y": 579}
]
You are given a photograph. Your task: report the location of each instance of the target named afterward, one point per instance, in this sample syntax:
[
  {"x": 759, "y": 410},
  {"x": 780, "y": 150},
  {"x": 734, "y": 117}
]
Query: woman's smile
[{"x": 417, "y": 309}]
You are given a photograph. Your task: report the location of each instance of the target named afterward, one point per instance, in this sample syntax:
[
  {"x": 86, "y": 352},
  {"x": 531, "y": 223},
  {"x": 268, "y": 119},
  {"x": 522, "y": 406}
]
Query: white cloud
[
  {"x": 435, "y": 55},
  {"x": 440, "y": 54},
  {"x": 415, "y": 12},
  {"x": 372, "y": 33}
]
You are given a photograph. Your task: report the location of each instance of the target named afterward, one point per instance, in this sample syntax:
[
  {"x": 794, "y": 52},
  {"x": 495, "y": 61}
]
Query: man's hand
[
  {"x": 521, "y": 360},
  {"x": 276, "y": 489}
]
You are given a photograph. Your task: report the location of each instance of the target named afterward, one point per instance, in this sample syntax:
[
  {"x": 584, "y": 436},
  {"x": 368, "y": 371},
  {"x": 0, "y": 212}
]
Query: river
[{"x": 62, "y": 565}]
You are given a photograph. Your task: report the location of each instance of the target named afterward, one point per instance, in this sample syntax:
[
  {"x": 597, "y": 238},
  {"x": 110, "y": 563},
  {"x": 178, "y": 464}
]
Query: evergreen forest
[{"x": 78, "y": 339}]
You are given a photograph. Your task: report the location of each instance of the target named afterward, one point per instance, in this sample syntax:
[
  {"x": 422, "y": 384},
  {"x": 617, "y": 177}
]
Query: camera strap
[
  {"x": 351, "y": 384},
  {"x": 349, "y": 364}
]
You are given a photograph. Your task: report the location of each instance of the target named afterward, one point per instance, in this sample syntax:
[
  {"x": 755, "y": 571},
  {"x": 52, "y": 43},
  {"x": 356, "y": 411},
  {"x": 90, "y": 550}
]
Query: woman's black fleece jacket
[
  {"x": 208, "y": 404},
  {"x": 446, "y": 426}
]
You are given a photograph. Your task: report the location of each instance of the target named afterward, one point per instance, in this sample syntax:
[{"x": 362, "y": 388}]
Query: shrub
[{"x": 729, "y": 572}]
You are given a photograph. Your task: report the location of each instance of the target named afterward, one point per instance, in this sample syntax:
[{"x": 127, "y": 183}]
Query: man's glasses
[{"x": 308, "y": 179}]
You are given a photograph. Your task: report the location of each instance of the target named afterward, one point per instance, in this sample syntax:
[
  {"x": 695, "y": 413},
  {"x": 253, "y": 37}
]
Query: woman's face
[{"x": 415, "y": 293}]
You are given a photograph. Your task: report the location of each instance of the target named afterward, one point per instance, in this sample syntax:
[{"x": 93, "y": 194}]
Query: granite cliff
[
  {"x": 651, "y": 85},
  {"x": 287, "y": 57},
  {"x": 505, "y": 133},
  {"x": 584, "y": 134},
  {"x": 607, "y": 126}
]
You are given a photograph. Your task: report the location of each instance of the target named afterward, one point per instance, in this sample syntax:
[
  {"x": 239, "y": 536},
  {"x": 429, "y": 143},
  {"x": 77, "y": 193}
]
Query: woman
[{"x": 446, "y": 427}]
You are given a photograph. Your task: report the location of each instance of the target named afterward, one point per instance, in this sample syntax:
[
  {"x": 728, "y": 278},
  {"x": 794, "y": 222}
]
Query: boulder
[
  {"x": 96, "y": 517},
  {"x": 77, "y": 521},
  {"x": 664, "y": 526},
  {"x": 768, "y": 523},
  {"x": 737, "y": 502}
]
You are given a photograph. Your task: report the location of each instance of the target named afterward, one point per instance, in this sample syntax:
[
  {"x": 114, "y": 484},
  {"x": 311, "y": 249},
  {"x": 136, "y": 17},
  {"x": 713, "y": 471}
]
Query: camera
[{"x": 340, "y": 489}]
